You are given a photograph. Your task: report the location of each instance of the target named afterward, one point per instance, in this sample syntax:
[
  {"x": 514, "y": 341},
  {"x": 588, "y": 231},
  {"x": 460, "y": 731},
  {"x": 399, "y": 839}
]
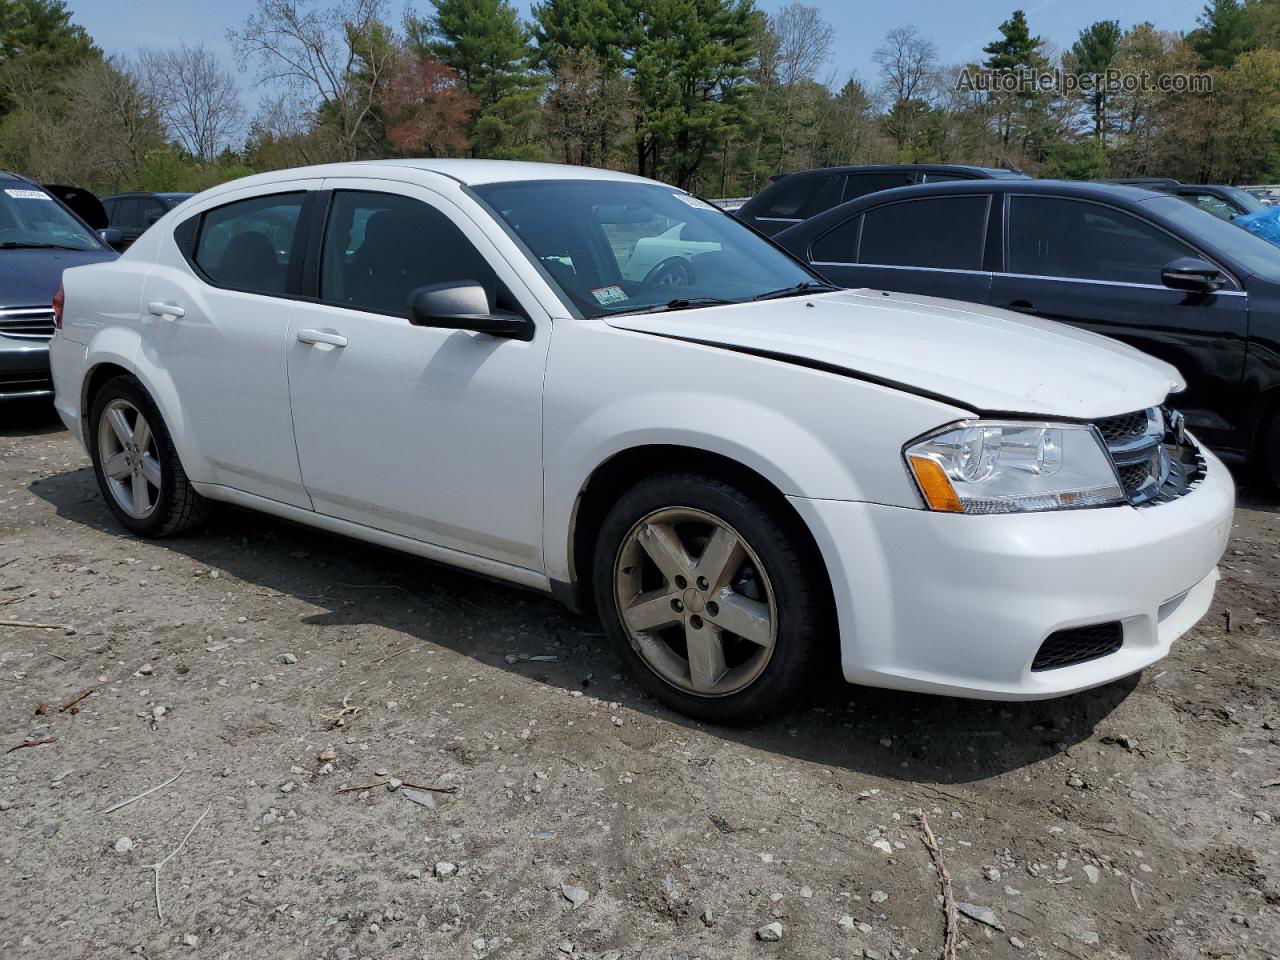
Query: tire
[
  {"x": 169, "y": 504},
  {"x": 1271, "y": 453},
  {"x": 655, "y": 622}
]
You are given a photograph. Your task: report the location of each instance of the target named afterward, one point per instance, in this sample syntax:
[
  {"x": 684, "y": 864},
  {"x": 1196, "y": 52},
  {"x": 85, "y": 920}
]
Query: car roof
[
  {"x": 969, "y": 168},
  {"x": 1080, "y": 189},
  {"x": 167, "y": 194},
  {"x": 465, "y": 171}
]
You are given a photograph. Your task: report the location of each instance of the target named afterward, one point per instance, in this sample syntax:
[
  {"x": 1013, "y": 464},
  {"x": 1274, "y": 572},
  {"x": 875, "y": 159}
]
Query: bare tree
[
  {"x": 336, "y": 58},
  {"x": 198, "y": 100},
  {"x": 908, "y": 65},
  {"x": 587, "y": 107}
]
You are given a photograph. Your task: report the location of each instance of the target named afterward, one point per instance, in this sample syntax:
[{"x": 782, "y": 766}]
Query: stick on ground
[
  {"x": 952, "y": 935},
  {"x": 32, "y": 743},
  {"x": 76, "y": 699},
  {"x": 157, "y": 867},
  {"x": 37, "y": 626},
  {"x": 145, "y": 793}
]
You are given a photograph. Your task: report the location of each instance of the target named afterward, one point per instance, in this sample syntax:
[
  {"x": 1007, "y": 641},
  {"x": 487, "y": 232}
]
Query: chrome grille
[
  {"x": 26, "y": 323},
  {"x": 1153, "y": 458}
]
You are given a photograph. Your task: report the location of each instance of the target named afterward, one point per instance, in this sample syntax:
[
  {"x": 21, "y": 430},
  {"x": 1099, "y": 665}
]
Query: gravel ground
[{"x": 574, "y": 817}]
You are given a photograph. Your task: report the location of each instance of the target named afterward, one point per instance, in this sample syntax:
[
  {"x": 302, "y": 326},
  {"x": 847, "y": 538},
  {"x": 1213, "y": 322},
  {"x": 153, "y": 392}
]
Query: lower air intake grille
[
  {"x": 27, "y": 323},
  {"x": 1066, "y": 648}
]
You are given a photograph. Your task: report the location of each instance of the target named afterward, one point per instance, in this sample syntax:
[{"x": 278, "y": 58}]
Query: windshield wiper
[
  {"x": 35, "y": 245},
  {"x": 806, "y": 286},
  {"x": 679, "y": 303}
]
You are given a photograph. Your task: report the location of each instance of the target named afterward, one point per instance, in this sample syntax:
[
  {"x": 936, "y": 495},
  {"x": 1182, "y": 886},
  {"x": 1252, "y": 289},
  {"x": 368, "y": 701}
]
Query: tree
[
  {"x": 428, "y": 111},
  {"x": 199, "y": 102},
  {"x": 1226, "y": 31},
  {"x": 587, "y": 107},
  {"x": 690, "y": 62},
  {"x": 1092, "y": 56},
  {"x": 803, "y": 46},
  {"x": 908, "y": 64},
  {"x": 1023, "y": 114},
  {"x": 39, "y": 48},
  {"x": 335, "y": 60},
  {"x": 566, "y": 27}
]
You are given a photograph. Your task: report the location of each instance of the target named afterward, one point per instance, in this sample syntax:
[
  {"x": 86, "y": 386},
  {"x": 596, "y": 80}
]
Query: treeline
[{"x": 711, "y": 95}]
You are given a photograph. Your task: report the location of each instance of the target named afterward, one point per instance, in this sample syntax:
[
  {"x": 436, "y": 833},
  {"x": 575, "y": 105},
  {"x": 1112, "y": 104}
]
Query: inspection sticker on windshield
[
  {"x": 28, "y": 194},
  {"x": 609, "y": 295},
  {"x": 694, "y": 202}
]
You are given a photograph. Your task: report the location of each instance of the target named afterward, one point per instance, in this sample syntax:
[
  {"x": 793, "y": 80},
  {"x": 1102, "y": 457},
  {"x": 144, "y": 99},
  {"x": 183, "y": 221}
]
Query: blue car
[{"x": 39, "y": 237}]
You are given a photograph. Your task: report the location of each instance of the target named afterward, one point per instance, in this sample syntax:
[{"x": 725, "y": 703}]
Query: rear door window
[
  {"x": 247, "y": 245},
  {"x": 860, "y": 184},
  {"x": 1060, "y": 237},
  {"x": 150, "y": 209},
  {"x": 945, "y": 233},
  {"x": 125, "y": 213}
]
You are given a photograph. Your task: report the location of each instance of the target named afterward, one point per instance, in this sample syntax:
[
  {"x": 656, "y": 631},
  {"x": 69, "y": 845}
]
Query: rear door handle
[
  {"x": 168, "y": 311},
  {"x": 319, "y": 336}
]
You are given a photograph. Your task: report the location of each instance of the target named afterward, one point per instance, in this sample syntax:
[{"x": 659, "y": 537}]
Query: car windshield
[
  {"x": 620, "y": 247},
  {"x": 1248, "y": 251},
  {"x": 29, "y": 217}
]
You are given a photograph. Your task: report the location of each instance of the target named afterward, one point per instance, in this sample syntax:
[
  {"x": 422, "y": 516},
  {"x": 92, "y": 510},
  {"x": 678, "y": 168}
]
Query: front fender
[{"x": 810, "y": 433}]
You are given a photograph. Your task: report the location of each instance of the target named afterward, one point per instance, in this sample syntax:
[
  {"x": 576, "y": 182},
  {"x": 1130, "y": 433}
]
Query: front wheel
[
  {"x": 712, "y": 599},
  {"x": 137, "y": 467}
]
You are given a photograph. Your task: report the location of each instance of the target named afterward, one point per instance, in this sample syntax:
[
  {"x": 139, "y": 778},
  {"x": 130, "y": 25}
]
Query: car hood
[
  {"x": 30, "y": 278},
  {"x": 982, "y": 358}
]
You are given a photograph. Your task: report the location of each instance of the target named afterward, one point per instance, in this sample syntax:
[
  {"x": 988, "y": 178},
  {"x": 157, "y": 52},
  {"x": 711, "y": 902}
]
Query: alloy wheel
[
  {"x": 695, "y": 601},
  {"x": 130, "y": 458}
]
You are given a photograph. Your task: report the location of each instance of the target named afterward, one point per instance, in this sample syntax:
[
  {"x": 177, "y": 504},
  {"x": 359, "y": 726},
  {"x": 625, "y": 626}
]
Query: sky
[{"x": 959, "y": 28}]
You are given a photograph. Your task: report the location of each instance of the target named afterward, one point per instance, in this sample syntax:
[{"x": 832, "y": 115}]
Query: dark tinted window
[
  {"x": 1054, "y": 237},
  {"x": 126, "y": 212},
  {"x": 150, "y": 209},
  {"x": 380, "y": 246},
  {"x": 109, "y": 207},
  {"x": 246, "y": 245},
  {"x": 860, "y": 184},
  {"x": 942, "y": 232},
  {"x": 797, "y": 197},
  {"x": 839, "y": 245}
]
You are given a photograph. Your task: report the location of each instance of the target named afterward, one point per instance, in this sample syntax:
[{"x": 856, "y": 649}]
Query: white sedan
[{"x": 749, "y": 476}]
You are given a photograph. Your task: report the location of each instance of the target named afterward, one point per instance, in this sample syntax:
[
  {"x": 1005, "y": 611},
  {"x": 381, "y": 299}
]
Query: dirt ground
[{"x": 1140, "y": 820}]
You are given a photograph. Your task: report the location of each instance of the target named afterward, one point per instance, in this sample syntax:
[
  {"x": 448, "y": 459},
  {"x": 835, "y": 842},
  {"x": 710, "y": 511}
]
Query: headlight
[{"x": 980, "y": 466}]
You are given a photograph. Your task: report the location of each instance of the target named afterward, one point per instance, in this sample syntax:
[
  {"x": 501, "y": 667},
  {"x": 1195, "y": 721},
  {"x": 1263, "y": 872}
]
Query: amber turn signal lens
[{"x": 935, "y": 486}]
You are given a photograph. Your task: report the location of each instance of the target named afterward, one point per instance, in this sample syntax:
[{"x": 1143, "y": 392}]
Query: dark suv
[
  {"x": 133, "y": 213},
  {"x": 39, "y": 238},
  {"x": 798, "y": 196}
]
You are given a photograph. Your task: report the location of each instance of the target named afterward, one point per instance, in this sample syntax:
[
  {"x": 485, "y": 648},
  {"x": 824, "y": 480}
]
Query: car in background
[
  {"x": 795, "y": 197},
  {"x": 1138, "y": 265},
  {"x": 749, "y": 475},
  {"x": 1225, "y": 203},
  {"x": 39, "y": 238},
  {"x": 133, "y": 213}
]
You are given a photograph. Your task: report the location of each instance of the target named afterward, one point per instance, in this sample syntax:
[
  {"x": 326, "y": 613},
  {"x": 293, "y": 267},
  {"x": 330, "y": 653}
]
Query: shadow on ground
[{"x": 945, "y": 740}]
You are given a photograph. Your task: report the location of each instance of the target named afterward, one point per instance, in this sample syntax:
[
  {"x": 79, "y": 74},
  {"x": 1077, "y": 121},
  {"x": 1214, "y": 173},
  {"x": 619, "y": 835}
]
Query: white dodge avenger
[{"x": 604, "y": 388}]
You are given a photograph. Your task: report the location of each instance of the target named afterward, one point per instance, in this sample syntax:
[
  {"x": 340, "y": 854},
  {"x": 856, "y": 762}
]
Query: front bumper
[
  {"x": 959, "y": 605},
  {"x": 24, "y": 369}
]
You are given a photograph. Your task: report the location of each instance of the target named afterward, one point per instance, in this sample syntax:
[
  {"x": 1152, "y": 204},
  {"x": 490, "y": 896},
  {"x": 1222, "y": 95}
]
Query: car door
[
  {"x": 215, "y": 320},
  {"x": 1099, "y": 267},
  {"x": 124, "y": 217},
  {"x": 932, "y": 245},
  {"x": 433, "y": 434}
]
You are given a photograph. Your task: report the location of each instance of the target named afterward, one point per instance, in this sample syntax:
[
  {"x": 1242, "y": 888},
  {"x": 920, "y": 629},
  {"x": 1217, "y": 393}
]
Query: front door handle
[
  {"x": 167, "y": 311},
  {"x": 319, "y": 336}
]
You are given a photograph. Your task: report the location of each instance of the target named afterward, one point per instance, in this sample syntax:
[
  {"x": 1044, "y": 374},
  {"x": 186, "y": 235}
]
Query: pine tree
[
  {"x": 1094, "y": 53},
  {"x": 599, "y": 27},
  {"x": 1226, "y": 31}
]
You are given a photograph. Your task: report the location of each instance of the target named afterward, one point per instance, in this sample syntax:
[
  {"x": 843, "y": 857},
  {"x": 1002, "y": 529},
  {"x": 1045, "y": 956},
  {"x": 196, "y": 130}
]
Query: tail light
[{"x": 58, "y": 299}]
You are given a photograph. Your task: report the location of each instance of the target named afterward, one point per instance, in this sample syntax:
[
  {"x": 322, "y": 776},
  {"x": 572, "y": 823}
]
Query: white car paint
[{"x": 475, "y": 451}]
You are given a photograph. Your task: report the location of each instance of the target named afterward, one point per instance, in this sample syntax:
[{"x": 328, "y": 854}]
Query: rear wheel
[
  {"x": 710, "y": 597},
  {"x": 136, "y": 464}
]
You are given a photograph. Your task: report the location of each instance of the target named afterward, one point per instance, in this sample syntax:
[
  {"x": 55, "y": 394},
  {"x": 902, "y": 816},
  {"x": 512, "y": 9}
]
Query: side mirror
[
  {"x": 112, "y": 237},
  {"x": 1192, "y": 273},
  {"x": 464, "y": 305}
]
